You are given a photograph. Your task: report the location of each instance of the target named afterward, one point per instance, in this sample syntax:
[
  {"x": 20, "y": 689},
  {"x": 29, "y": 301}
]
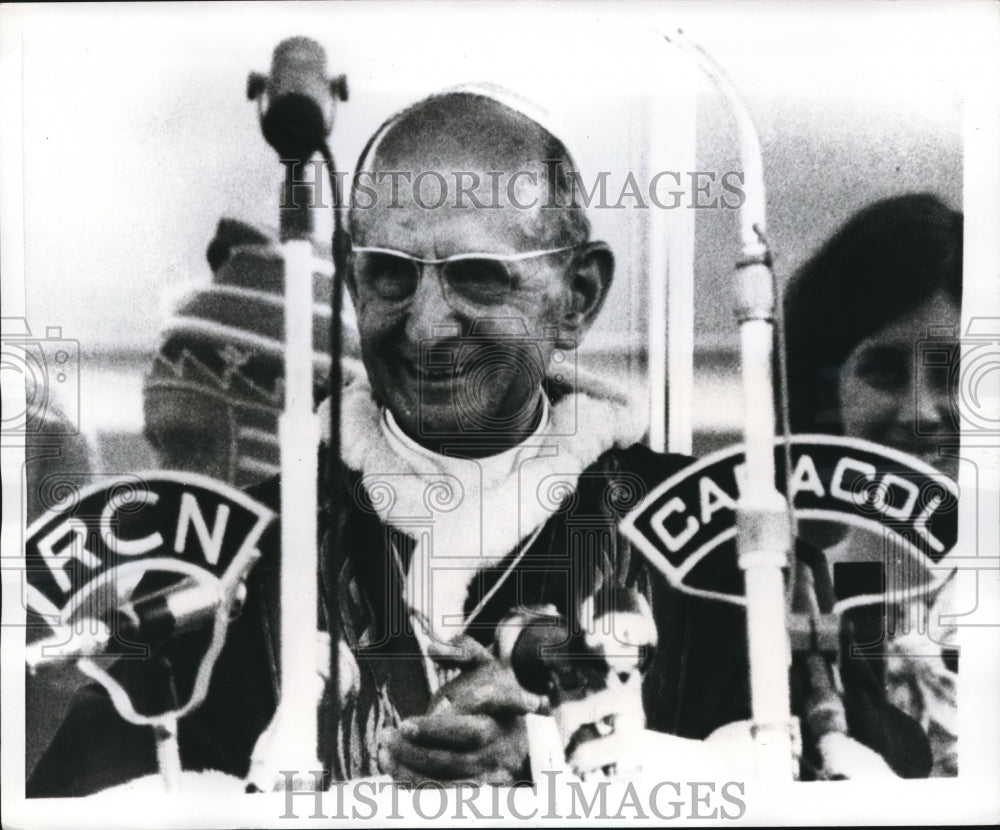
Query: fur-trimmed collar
[
  {"x": 586, "y": 419},
  {"x": 467, "y": 514}
]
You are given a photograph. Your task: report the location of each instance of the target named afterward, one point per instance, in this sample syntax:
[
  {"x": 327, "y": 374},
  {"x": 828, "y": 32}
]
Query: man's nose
[{"x": 429, "y": 310}]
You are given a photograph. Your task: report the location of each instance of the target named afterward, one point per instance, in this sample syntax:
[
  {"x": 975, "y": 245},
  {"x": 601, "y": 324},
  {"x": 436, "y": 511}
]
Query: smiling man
[
  {"x": 478, "y": 482},
  {"x": 462, "y": 306},
  {"x": 484, "y": 479},
  {"x": 470, "y": 303}
]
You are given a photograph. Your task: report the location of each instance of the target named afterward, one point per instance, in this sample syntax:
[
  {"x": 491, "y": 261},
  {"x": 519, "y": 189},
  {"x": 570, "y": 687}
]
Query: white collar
[
  {"x": 503, "y": 497},
  {"x": 494, "y": 467}
]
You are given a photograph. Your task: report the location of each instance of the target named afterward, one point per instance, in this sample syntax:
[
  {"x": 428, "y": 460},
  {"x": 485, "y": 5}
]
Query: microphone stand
[
  {"x": 297, "y": 121},
  {"x": 294, "y": 730},
  {"x": 764, "y": 537}
]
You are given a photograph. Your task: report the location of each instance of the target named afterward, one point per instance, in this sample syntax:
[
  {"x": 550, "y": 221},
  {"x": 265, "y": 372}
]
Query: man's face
[{"x": 452, "y": 370}]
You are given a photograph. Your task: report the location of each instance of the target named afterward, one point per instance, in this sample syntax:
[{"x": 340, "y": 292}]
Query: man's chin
[
  {"x": 435, "y": 428},
  {"x": 429, "y": 422},
  {"x": 433, "y": 414}
]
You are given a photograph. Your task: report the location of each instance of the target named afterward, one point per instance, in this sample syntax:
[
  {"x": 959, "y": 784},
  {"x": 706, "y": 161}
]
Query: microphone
[
  {"x": 150, "y": 620},
  {"x": 179, "y": 609},
  {"x": 298, "y": 113},
  {"x": 590, "y": 671},
  {"x": 614, "y": 638}
]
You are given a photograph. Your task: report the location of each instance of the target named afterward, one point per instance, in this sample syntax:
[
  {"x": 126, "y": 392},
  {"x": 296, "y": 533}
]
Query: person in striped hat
[{"x": 215, "y": 390}]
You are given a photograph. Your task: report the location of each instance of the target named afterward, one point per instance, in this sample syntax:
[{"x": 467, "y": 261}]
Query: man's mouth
[{"x": 432, "y": 374}]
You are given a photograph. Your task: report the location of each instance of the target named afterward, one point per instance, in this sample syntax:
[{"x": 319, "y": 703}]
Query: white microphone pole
[
  {"x": 296, "y": 120},
  {"x": 763, "y": 527}
]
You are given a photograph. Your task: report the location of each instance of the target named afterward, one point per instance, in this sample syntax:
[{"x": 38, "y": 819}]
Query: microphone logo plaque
[
  {"x": 686, "y": 526},
  {"x": 139, "y": 575}
]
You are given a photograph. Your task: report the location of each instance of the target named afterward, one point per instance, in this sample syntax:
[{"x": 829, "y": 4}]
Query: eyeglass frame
[{"x": 437, "y": 262}]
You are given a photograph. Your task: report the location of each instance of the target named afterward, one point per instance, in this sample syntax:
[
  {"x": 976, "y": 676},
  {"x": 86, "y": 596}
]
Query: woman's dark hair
[{"x": 887, "y": 260}]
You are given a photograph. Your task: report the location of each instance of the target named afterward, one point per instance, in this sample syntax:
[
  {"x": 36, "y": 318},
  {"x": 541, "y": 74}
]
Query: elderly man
[
  {"x": 483, "y": 480},
  {"x": 463, "y": 309}
]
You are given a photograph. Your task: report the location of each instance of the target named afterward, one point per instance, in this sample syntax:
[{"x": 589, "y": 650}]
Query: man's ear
[{"x": 590, "y": 277}]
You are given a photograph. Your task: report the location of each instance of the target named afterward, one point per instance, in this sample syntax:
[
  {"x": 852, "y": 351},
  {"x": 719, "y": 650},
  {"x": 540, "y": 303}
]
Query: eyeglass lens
[{"x": 480, "y": 281}]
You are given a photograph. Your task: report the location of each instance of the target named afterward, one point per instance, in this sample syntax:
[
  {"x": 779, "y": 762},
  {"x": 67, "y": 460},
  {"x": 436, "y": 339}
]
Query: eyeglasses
[{"x": 468, "y": 281}]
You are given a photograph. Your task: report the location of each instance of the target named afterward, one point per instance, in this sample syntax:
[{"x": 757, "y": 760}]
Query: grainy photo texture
[{"x": 552, "y": 413}]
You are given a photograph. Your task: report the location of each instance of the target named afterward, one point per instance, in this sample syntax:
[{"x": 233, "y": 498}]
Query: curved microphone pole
[
  {"x": 296, "y": 113},
  {"x": 764, "y": 537}
]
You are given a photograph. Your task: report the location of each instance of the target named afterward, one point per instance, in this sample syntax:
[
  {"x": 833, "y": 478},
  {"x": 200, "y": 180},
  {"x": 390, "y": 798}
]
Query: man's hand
[{"x": 474, "y": 729}]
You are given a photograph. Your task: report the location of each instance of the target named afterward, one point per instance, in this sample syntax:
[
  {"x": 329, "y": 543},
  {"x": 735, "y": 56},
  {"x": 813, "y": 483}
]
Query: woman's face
[{"x": 895, "y": 386}]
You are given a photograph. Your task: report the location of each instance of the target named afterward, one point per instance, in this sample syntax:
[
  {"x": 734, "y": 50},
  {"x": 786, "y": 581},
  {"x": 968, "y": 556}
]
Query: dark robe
[{"x": 697, "y": 681}]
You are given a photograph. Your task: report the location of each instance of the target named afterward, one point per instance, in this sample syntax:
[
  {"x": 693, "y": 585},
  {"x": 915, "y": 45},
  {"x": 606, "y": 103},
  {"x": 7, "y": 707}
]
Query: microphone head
[{"x": 299, "y": 114}]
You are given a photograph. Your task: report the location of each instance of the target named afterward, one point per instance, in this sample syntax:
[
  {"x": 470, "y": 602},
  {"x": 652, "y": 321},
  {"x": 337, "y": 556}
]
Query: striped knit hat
[{"x": 225, "y": 344}]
